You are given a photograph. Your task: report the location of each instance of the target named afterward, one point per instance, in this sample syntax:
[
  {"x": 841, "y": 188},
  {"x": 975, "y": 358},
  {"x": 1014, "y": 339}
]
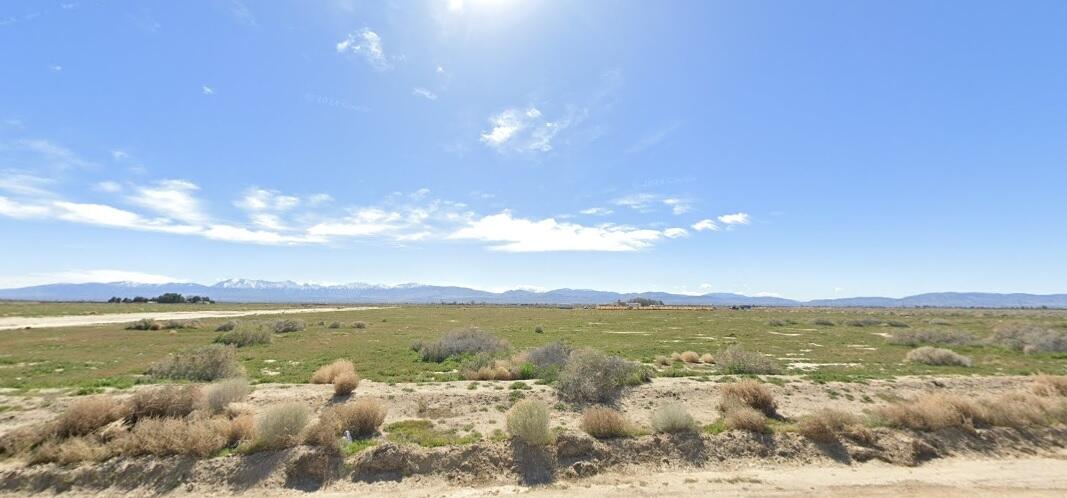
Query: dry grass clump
[
  {"x": 219, "y": 395},
  {"x": 866, "y": 322},
  {"x": 662, "y": 361},
  {"x": 527, "y": 420},
  {"x": 204, "y": 363},
  {"x": 69, "y": 452},
  {"x": 942, "y": 337},
  {"x": 362, "y": 418},
  {"x": 748, "y": 393},
  {"x": 707, "y": 358},
  {"x": 602, "y": 423},
  {"x": 245, "y": 337},
  {"x": 824, "y": 322},
  {"x": 673, "y": 418},
  {"x": 1017, "y": 409},
  {"x": 166, "y": 401},
  {"x": 327, "y": 373},
  {"x": 359, "y": 325},
  {"x": 150, "y": 324},
  {"x": 227, "y": 326},
  {"x": 334, "y": 325},
  {"x": 345, "y": 383},
  {"x": 288, "y": 325},
  {"x": 242, "y": 429},
  {"x": 735, "y": 360},
  {"x": 928, "y": 355},
  {"x": 279, "y": 425},
  {"x": 1029, "y": 338},
  {"x": 194, "y": 436},
  {"x": 550, "y": 356},
  {"x": 743, "y": 418},
  {"x": 938, "y": 411},
  {"x": 1049, "y": 385},
  {"x": 591, "y": 376},
  {"x": 87, "y": 415},
  {"x": 460, "y": 342},
  {"x": 824, "y": 425},
  {"x": 676, "y": 357},
  {"x": 690, "y": 357}
]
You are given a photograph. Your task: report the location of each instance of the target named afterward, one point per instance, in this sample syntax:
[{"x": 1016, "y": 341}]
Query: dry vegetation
[
  {"x": 527, "y": 421},
  {"x": 735, "y": 360},
  {"x": 673, "y": 418},
  {"x": 928, "y": 355},
  {"x": 602, "y": 422},
  {"x": 204, "y": 363},
  {"x": 245, "y": 337}
]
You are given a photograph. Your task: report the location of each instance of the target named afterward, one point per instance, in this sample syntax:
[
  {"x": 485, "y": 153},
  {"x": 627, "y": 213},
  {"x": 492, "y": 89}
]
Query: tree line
[{"x": 166, "y": 298}]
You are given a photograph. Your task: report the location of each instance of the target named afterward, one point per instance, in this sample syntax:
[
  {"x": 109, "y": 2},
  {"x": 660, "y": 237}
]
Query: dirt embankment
[{"x": 42, "y": 322}]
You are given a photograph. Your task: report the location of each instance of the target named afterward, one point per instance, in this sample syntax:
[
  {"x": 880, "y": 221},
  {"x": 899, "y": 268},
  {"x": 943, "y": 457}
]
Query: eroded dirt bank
[{"x": 43, "y": 322}]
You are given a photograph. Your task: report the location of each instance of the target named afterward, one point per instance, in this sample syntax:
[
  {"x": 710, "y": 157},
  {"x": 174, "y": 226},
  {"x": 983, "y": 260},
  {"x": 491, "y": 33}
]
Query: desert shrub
[
  {"x": 1049, "y": 385},
  {"x": 735, "y": 360},
  {"x": 143, "y": 324},
  {"x": 824, "y": 322},
  {"x": 288, "y": 325},
  {"x": 690, "y": 357},
  {"x": 484, "y": 366},
  {"x": 242, "y": 429},
  {"x": 539, "y": 329},
  {"x": 219, "y": 395},
  {"x": 898, "y": 324},
  {"x": 87, "y": 415},
  {"x": 1029, "y": 338},
  {"x": 361, "y": 418},
  {"x": 1016, "y": 409},
  {"x": 227, "y": 326},
  {"x": 939, "y": 321},
  {"x": 550, "y": 356},
  {"x": 927, "y": 355},
  {"x": 707, "y": 358},
  {"x": 334, "y": 325},
  {"x": 359, "y": 325},
  {"x": 527, "y": 420},
  {"x": 460, "y": 342},
  {"x": 944, "y": 337},
  {"x": 676, "y": 357},
  {"x": 279, "y": 425},
  {"x": 866, "y": 322},
  {"x": 748, "y": 393},
  {"x": 929, "y": 412},
  {"x": 204, "y": 363},
  {"x": 594, "y": 377},
  {"x": 662, "y": 361},
  {"x": 327, "y": 373},
  {"x": 743, "y": 418},
  {"x": 195, "y": 436},
  {"x": 25, "y": 438},
  {"x": 245, "y": 337},
  {"x": 163, "y": 402},
  {"x": 345, "y": 383},
  {"x": 601, "y": 422},
  {"x": 824, "y": 425},
  {"x": 672, "y": 418},
  {"x": 69, "y": 452},
  {"x": 777, "y": 323}
]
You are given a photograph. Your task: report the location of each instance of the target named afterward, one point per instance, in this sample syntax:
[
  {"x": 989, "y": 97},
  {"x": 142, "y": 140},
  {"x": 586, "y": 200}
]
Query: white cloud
[
  {"x": 362, "y": 222},
  {"x": 734, "y": 219},
  {"x": 171, "y": 198},
  {"x": 596, "y": 211},
  {"x": 318, "y": 199},
  {"x": 52, "y": 155},
  {"x": 119, "y": 154},
  {"x": 678, "y": 206},
  {"x": 17, "y": 210},
  {"x": 268, "y": 221},
  {"x": 257, "y": 199},
  {"x": 368, "y": 44},
  {"x": 231, "y": 233},
  {"x": 705, "y": 225},
  {"x": 108, "y": 186},
  {"x": 640, "y": 202},
  {"x": 507, "y": 233},
  {"x": 674, "y": 233},
  {"x": 455, "y": 5},
  {"x": 206, "y": 90},
  {"x": 55, "y": 67},
  {"x": 522, "y": 130},
  {"x": 18, "y": 183},
  {"x": 424, "y": 93}
]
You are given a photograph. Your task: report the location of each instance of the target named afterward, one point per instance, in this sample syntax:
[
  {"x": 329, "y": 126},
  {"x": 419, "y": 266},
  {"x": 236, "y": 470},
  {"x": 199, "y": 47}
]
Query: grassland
[{"x": 87, "y": 358}]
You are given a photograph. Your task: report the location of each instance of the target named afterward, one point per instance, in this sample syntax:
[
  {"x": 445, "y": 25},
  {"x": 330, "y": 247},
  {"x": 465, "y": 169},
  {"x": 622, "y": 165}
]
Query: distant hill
[{"x": 244, "y": 290}]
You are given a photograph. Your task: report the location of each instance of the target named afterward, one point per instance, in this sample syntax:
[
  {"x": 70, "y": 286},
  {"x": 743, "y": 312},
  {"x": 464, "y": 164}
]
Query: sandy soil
[{"x": 38, "y": 322}]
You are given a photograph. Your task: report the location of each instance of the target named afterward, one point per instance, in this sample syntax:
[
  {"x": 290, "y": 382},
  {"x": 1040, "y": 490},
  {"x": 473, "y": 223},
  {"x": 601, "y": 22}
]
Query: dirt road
[{"x": 38, "y": 322}]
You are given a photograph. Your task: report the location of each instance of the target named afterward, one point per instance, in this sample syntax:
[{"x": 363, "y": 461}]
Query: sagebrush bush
[
  {"x": 194, "y": 436},
  {"x": 662, "y": 361},
  {"x": 165, "y": 401},
  {"x": 245, "y": 337},
  {"x": 527, "y": 420},
  {"x": 824, "y": 425},
  {"x": 362, "y": 418},
  {"x": 242, "y": 429},
  {"x": 1029, "y": 338},
  {"x": 69, "y": 452},
  {"x": 898, "y": 324},
  {"x": 227, "y": 326},
  {"x": 866, "y": 322},
  {"x": 690, "y": 357},
  {"x": 204, "y": 363},
  {"x": 279, "y": 426},
  {"x": 219, "y": 395},
  {"x": 707, "y": 358},
  {"x": 327, "y": 373},
  {"x": 748, "y": 393},
  {"x": 539, "y": 329},
  {"x": 824, "y": 322},
  {"x": 550, "y": 356},
  {"x": 86, "y": 415},
  {"x": 345, "y": 383},
  {"x": 743, "y": 418},
  {"x": 928, "y": 355},
  {"x": 591, "y": 376},
  {"x": 941, "y": 337},
  {"x": 602, "y": 422},
  {"x": 359, "y": 325},
  {"x": 334, "y": 325},
  {"x": 735, "y": 360},
  {"x": 672, "y": 418},
  {"x": 460, "y": 342},
  {"x": 1049, "y": 385},
  {"x": 288, "y": 325}
]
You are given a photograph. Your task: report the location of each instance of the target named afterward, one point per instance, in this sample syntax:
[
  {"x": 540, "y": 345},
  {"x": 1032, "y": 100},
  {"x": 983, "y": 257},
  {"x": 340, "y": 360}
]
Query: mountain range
[{"x": 245, "y": 290}]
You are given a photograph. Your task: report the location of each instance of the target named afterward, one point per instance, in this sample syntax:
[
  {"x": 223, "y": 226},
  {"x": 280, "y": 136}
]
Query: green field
[{"x": 112, "y": 356}]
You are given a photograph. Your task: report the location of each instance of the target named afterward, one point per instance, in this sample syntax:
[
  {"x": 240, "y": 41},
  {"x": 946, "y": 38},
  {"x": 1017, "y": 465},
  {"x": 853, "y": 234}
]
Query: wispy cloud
[
  {"x": 424, "y": 93},
  {"x": 45, "y": 153},
  {"x": 507, "y": 233},
  {"x": 108, "y": 186},
  {"x": 367, "y": 44},
  {"x": 639, "y": 201},
  {"x": 734, "y": 219},
  {"x": 206, "y": 90},
  {"x": 653, "y": 138},
  {"x": 705, "y": 225},
  {"x": 174, "y": 199},
  {"x": 678, "y": 206},
  {"x": 525, "y": 130},
  {"x": 596, "y": 211}
]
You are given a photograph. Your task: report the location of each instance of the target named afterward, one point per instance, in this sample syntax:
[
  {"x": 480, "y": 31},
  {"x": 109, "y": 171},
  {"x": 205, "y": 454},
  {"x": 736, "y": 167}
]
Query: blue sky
[{"x": 802, "y": 149}]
